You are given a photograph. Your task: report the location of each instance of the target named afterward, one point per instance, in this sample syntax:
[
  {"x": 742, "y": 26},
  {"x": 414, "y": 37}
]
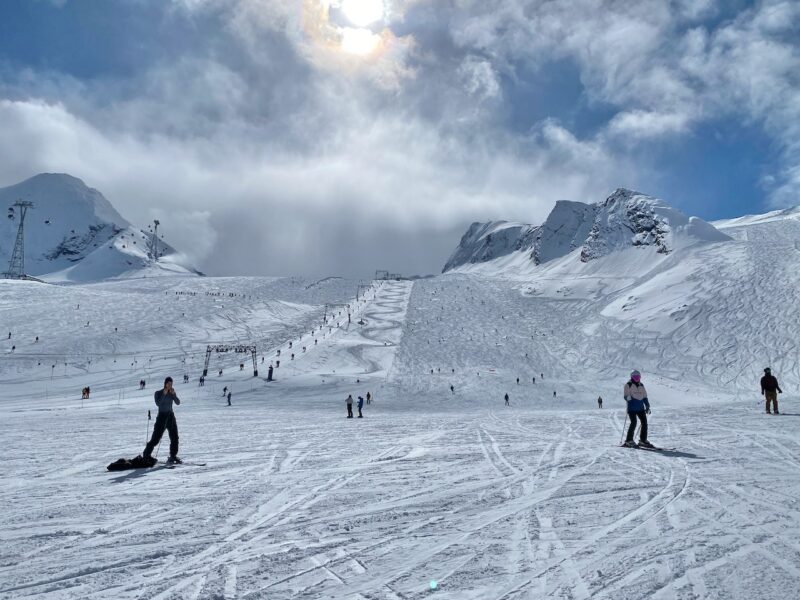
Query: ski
[
  {"x": 653, "y": 449},
  {"x": 184, "y": 463}
]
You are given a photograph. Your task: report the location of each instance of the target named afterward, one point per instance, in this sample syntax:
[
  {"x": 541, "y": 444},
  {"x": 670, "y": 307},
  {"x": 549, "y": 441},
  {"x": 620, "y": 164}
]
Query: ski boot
[
  {"x": 645, "y": 444},
  {"x": 630, "y": 444},
  {"x": 174, "y": 460}
]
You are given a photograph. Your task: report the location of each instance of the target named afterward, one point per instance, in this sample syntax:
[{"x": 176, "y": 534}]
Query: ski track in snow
[{"x": 492, "y": 502}]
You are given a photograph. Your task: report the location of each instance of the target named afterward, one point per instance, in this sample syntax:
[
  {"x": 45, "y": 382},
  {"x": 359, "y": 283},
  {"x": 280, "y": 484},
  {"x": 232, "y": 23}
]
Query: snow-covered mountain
[
  {"x": 626, "y": 219},
  {"x": 485, "y": 242},
  {"x": 73, "y": 233}
]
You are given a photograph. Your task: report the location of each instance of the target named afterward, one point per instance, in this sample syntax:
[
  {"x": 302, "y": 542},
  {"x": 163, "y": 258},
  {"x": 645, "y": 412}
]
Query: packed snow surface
[{"x": 432, "y": 488}]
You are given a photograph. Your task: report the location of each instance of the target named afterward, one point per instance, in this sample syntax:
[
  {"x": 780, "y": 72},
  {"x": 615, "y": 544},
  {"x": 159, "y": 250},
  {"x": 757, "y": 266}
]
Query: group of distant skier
[{"x": 360, "y": 405}]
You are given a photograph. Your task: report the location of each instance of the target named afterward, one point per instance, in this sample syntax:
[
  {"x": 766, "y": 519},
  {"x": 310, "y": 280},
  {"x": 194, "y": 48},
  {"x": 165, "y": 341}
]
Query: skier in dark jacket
[
  {"x": 165, "y": 420},
  {"x": 507, "y": 404},
  {"x": 360, "y": 406},
  {"x": 770, "y": 390},
  {"x": 638, "y": 408}
]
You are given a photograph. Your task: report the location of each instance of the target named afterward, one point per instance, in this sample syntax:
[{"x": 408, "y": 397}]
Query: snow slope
[
  {"x": 73, "y": 234},
  {"x": 533, "y": 500}
]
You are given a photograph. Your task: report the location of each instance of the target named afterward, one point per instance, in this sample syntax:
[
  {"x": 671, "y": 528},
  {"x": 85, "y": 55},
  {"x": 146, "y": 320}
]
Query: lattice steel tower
[
  {"x": 16, "y": 266},
  {"x": 154, "y": 241}
]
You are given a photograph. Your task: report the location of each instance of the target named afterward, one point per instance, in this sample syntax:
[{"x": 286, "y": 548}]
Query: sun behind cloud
[{"x": 362, "y": 13}]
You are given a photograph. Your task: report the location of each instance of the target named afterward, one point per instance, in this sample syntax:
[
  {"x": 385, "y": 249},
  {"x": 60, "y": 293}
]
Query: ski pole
[
  {"x": 623, "y": 428},
  {"x": 147, "y": 435}
]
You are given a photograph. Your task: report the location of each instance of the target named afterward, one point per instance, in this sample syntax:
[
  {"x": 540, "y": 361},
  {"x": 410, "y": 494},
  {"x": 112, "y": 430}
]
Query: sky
[{"x": 337, "y": 137}]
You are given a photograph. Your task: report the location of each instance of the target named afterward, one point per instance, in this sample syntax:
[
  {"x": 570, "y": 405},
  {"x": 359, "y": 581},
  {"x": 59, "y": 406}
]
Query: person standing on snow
[
  {"x": 165, "y": 420},
  {"x": 229, "y": 398},
  {"x": 349, "y": 402},
  {"x": 369, "y": 398},
  {"x": 638, "y": 408},
  {"x": 599, "y": 402},
  {"x": 770, "y": 390},
  {"x": 507, "y": 404},
  {"x": 360, "y": 406}
]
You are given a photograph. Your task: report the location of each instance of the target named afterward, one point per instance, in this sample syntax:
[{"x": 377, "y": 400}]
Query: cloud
[
  {"x": 641, "y": 124},
  {"x": 266, "y": 146},
  {"x": 391, "y": 174}
]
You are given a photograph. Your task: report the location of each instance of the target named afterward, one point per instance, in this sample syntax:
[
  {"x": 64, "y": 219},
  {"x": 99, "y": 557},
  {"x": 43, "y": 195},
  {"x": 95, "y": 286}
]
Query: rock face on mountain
[
  {"x": 484, "y": 242},
  {"x": 74, "y": 231},
  {"x": 626, "y": 219},
  {"x": 564, "y": 230}
]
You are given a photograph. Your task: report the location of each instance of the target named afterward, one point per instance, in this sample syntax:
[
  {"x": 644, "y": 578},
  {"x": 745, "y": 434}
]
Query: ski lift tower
[
  {"x": 154, "y": 241},
  {"x": 16, "y": 266}
]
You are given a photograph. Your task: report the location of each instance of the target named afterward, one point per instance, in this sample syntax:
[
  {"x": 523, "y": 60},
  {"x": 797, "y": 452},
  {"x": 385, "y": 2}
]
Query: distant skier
[
  {"x": 534, "y": 379},
  {"x": 164, "y": 399},
  {"x": 452, "y": 389},
  {"x": 554, "y": 393},
  {"x": 225, "y": 390},
  {"x": 506, "y": 397},
  {"x": 360, "y": 406},
  {"x": 202, "y": 381},
  {"x": 599, "y": 402},
  {"x": 349, "y": 402},
  {"x": 517, "y": 380},
  {"x": 369, "y": 398},
  {"x": 635, "y": 395},
  {"x": 229, "y": 398},
  {"x": 770, "y": 390}
]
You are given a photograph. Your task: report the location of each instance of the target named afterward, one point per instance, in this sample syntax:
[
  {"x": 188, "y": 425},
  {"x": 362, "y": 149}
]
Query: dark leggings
[
  {"x": 632, "y": 427},
  {"x": 164, "y": 421}
]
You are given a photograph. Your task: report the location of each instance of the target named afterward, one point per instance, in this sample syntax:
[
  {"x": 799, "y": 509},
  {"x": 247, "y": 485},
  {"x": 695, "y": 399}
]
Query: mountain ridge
[{"x": 71, "y": 222}]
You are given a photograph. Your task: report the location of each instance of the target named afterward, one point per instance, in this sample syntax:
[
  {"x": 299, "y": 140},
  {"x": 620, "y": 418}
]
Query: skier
[
  {"x": 225, "y": 390},
  {"x": 369, "y": 398},
  {"x": 229, "y": 398},
  {"x": 202, "y": 381},
  {"x": 507, "y": 404},
  {"x": 517, "y": 380},
  {"x": 638, "y": 407},
  {"x": 554, "y": 393},
  {"x": 360, "y": 406},
  {"x": 165, "y": 420},
  {"x": 534, "y": 380},
  {"x": 452, "y": 389},
  {"x": 349, "y": 406},
  {"x": 770, "y": 390},
  {"x": 599, "y": 402}
]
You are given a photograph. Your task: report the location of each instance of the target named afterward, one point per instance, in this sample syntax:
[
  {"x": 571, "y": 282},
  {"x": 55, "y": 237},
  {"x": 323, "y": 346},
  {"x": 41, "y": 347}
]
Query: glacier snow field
[{"x": 434, "y": 493}]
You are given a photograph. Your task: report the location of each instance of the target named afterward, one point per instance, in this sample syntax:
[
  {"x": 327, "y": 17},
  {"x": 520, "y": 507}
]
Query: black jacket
[{"x": 770, "y": 384}]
